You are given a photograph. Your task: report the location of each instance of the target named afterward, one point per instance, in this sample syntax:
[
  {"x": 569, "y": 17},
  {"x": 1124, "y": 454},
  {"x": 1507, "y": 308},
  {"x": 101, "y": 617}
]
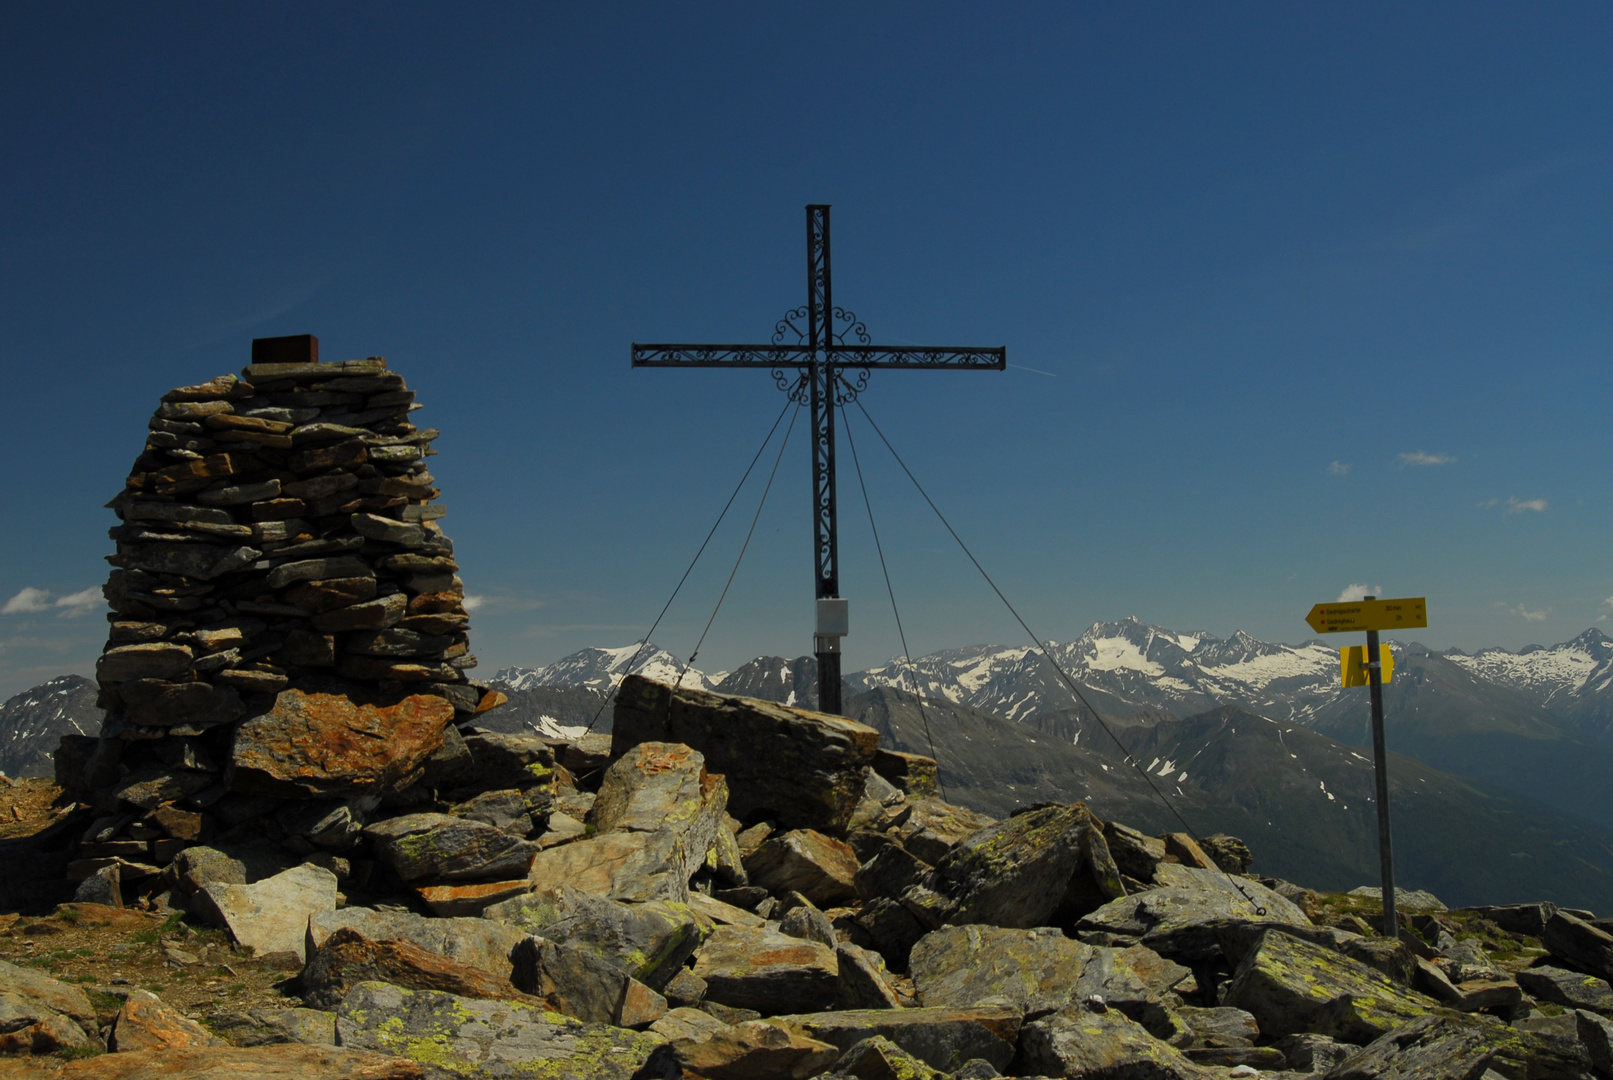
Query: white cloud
[
  {"x": 471, "y": 603},
  {"x": 1355, "y": 592},
  {"x": 1530, "y": 616},
  {"x": 1417, "y": 457},
  {"x": 27, "y": 602},
  {"x": 1518, "y": 506},
  {"x": 80, "y": 603},
  {"x": 1338, "y": 468}
]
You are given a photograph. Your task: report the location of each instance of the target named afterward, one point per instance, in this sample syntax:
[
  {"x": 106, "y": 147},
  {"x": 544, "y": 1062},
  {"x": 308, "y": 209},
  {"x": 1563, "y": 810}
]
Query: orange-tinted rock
[
  {"x": 437, "y": 603},
  {"x": 146, "y": 1022},
  {"x": 819, "y": 867},
  {"x": 348, "y": 958},
  {"x": 451, "y": 900},
  {"x": 322, "y": 744}
]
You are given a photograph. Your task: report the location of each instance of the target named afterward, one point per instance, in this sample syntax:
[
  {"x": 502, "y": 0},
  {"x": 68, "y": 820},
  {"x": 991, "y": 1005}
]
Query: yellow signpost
[
  {"x": 1372, "y": 666},
  {"x": 1407, "y": 614},
  {"x": 1353, "y": 665}
]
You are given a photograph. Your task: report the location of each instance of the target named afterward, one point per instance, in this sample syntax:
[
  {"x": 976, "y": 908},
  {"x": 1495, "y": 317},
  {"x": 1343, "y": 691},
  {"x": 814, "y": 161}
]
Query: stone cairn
[{"x": 288, "y": 641}]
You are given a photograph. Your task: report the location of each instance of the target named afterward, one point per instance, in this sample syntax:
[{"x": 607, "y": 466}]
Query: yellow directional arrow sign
[{"x": 1369, "y": 615}]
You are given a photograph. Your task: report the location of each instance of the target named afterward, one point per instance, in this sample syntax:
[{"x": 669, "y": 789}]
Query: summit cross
[{"x": 821, "y": 355}]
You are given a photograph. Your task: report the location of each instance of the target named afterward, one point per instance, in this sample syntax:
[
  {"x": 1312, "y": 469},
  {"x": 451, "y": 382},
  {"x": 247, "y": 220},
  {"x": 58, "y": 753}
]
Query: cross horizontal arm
[{"x": 858, "y": 356}]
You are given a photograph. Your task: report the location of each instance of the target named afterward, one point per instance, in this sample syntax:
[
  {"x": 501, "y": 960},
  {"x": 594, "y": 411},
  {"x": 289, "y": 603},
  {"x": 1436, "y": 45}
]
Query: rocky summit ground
[{"x": 730, "y": 889}]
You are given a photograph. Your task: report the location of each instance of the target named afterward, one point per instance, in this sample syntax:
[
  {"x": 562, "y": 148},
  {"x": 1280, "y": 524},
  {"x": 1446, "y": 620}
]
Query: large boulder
[
  {"x": 657, "y": 815},
  {"x": 272, "y": 915},
  {"x": 1134, "y": 980},
  {"x": 348, "y": 958},
  {"x": 1292, "y": 986},
  {"x": 1029, "y": 870},
  {"x": 1182, "y": 922},
  {"x": 627, "y": 866},
  {"x": 1442, "y": 1046},
  {"x": 1586, "y": 947},
  {"x": 1078, "y": 1042},
  {"x": 800, "y": 769},
  {"x": 454, "y": 1037},
  {"x": 311, "y": 744},
  {"x": 752, "y": 1050},
  {"x": 1568, "y": 988},
  {"x": 961, "y": 966},
  {"x": 879, "y": 1057},
  {"x": 442, "y": 847},
  {"x": 819, "y": 867},
  {"x": 575, "y": 982},
  {"x": 650, "y": 940},
  {"x": 759, "y": 968},
  {"x": 930, "y": 828},
  {"x": 146, "y": 1022},
  {"x": 478, "y": 943},
  {"x": 944, "y": 1039}
]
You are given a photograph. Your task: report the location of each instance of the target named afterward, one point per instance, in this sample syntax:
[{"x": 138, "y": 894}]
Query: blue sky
[{"x": 1296, "y": 297}]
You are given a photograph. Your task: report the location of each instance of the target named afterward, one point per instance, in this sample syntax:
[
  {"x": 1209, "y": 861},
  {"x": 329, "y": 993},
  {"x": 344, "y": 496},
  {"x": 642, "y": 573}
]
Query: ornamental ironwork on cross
[{"x": 828, "y": 364}]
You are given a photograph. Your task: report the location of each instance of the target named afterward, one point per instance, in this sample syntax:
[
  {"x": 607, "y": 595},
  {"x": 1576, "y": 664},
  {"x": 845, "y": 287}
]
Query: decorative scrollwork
[
  {"x": 854, "y": 327},
  {"x": 794, "y": 384},
  {"x": 788, "y": 325},
  {"x": 846, "y": 391}
]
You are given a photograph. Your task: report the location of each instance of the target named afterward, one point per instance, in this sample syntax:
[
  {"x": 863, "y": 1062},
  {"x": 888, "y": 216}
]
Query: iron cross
[{"x": 821, "y": 356}]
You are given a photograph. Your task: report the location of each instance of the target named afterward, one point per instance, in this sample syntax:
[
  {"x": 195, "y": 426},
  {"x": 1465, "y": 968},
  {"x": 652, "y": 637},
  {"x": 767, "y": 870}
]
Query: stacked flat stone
[
  {"x": 280, "y": 525},
  {"x": 287, "y": 621}
]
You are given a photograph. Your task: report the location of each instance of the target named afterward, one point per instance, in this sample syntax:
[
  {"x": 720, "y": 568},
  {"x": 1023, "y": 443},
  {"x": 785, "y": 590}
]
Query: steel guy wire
[{"x": 1068, "y": 681}]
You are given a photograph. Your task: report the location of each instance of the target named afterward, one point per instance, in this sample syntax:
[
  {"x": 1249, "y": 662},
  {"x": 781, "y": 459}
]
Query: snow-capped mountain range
[
  {"x": 601, "y": 669},
  {"x": 1130, "y": 665},
  {"x": 1573, "y": 680}
]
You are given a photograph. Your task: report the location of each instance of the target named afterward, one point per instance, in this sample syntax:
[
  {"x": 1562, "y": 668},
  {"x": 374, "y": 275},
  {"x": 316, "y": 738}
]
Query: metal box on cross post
[{"x": 834, "y": 622}]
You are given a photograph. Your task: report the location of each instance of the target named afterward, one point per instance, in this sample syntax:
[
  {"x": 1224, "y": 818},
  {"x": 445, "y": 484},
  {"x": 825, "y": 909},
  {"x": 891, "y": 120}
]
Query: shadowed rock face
[{"x": 799, "y": 769}]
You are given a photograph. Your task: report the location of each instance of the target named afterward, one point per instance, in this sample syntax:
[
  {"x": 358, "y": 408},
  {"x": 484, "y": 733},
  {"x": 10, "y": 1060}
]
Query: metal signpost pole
[
  {"x": 1372, "y": 615},
  {"x": 1380, "y": 768}
]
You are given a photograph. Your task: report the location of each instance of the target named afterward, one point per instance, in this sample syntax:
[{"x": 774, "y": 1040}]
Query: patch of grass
[
  {"x": 1549, "y": 1009},
  {"x": 174, "y": 921},
  {"x": 69, "y": 915},
  {"x": 236, "y": 988},
  {"x": 146, "y": 937},
  {"x": 103, "y": 1002},
  {"x": 73, "y": 1053}
]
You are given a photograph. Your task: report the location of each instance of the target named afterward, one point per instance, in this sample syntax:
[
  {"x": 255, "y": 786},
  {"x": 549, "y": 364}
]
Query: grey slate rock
[
  {"x": 1293, "y": 986},
  {"x": 495, "y": 1040},
  {"x": 1570, "y": 988},
  {"x": 960, "y": 966},
  {"x": 1431, "y": 1046},
  {"x": 1585, "y": 946},
  {"x": 944, "y": 1039},
  {"x": 439, "y": 846},
  {"x": 477, "y": 943},
  {"x": 1076, "y": 1042},
  {"x": 862, "y": 986},
  {"x": 650, "y": 940}
]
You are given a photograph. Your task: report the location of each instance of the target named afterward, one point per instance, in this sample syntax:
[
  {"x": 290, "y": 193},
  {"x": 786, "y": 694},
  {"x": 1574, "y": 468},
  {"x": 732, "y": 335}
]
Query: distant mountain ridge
[
  {"x": 1129, "y": 665},
  {"x": 34, "y": 721}
]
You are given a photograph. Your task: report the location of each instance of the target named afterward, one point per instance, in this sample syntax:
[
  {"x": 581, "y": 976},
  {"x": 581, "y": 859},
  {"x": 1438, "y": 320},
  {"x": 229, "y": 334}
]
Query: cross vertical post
[
  {"x": 821, "y": 355},
  {"x": 825, "y": 521}
]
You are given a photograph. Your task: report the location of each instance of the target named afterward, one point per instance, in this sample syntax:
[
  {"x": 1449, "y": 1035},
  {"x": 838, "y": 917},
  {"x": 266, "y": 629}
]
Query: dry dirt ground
[{"x": 107, "y": 951}]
